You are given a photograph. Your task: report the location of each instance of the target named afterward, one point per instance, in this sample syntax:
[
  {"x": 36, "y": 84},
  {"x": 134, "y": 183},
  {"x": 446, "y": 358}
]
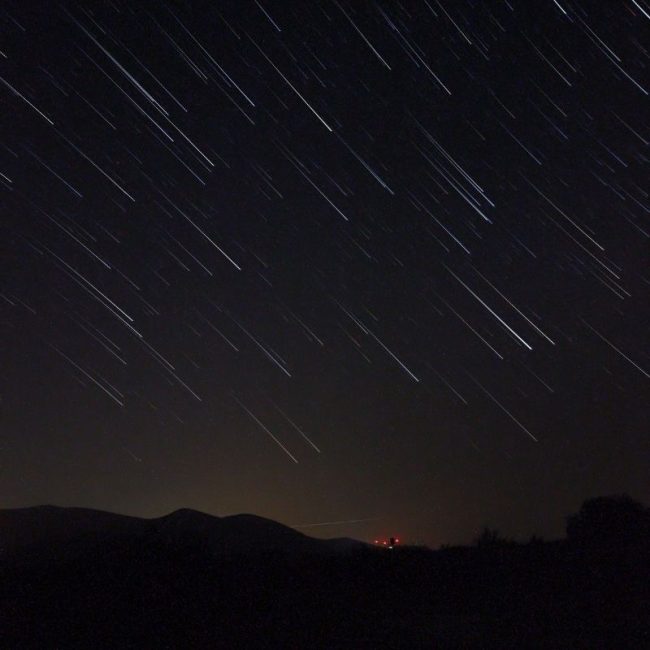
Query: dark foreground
[{"x": 147, "y": 591}]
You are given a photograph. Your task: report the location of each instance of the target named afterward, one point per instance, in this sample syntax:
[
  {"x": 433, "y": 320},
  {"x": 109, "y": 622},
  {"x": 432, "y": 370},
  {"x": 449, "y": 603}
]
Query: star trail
[{"x": 380, "y": 264}]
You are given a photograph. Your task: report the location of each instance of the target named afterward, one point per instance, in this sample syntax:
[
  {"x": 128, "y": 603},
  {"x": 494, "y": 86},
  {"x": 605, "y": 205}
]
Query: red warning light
[{"x": 393, "y": 541}]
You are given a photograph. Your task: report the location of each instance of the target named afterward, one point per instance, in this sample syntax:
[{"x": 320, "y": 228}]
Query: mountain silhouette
[{"x": 25, "y": 531}]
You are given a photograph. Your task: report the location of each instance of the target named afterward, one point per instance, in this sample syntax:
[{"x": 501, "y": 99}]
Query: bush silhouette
[
  {"x": 609, "y": 521},
  {"x": 490, "y": 537}
]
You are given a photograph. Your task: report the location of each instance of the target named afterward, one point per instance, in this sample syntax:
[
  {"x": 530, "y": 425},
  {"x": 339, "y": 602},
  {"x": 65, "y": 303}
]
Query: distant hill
[
  {"x": 22, "y": 528},
  {"x": 27, "y": 530}
]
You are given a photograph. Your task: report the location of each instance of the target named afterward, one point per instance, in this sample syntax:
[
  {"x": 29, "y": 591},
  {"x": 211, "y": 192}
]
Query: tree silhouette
[
  {"x": 490, "y": 537},
  {"x": 609, "y": 521}
]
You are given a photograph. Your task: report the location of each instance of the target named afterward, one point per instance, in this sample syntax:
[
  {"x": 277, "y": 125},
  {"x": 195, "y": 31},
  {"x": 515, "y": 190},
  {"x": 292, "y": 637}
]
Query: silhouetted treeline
[
  {"x": 588, "y": 591},
  {"x": 609, "y": 522}
]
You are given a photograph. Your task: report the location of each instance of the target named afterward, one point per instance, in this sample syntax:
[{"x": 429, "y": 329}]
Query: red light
[
  {"x": 384, "y": 543},
  {"x": 397, "y": 541}
]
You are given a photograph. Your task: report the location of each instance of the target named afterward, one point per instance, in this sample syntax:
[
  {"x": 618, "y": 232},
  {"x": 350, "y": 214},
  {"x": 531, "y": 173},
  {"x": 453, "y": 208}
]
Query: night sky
[{"x": 383, "y": 263}]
